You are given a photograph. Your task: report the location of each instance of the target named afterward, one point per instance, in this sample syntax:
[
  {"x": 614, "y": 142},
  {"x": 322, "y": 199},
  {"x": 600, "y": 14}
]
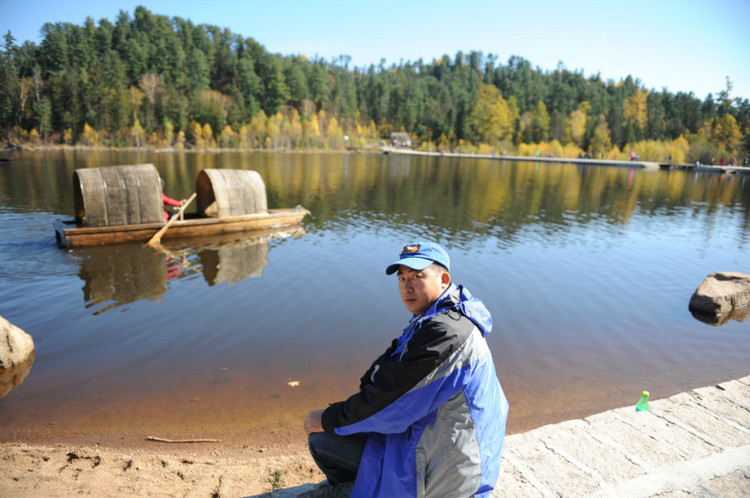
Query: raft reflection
[
  {"x": 124, "y": 273},
  {"x": 231, "y": 257}
]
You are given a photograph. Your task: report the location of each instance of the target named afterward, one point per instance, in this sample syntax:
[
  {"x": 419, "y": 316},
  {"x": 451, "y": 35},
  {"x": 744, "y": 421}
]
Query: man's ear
[{"x": 445, "y": 278}]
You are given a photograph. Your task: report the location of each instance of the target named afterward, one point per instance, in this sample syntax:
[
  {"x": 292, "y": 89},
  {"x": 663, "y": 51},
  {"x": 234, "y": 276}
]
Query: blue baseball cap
[{"x": 419, "y": 256}]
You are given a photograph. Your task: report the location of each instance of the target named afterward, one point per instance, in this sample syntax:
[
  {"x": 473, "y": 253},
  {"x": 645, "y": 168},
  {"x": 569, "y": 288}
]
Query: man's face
[{"x": 419, "y": 289}]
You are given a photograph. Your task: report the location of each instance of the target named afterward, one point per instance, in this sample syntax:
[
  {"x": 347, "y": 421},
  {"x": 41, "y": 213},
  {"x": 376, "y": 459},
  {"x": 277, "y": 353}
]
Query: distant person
[
  {"x": 168, "y": 201},
  {"x": 429, "y": 417},
  {"x": 632, "y": 155},
  {"x": 721, "y": 161}
]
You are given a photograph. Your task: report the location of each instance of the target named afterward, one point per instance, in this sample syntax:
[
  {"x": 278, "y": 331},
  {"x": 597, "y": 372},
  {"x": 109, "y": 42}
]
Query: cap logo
[{"x": 410, "y": 249}]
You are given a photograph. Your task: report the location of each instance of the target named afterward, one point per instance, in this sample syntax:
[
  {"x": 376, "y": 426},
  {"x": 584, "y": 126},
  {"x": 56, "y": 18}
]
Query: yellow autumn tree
[
  {"x": 601, "y": 142},
  {"x": 168, "y": 132},
  {"x": 197, "y": 132},
  {"x": 228, "y": 137},
  {"x": 242, "y": 137},
  {"x": 257, "y": 131},
  {"x": 137, "y": 133},
  {"x": 636, "y": 109},
  {"x": 136, "y": 99},
  {"x": 540, "y": 122},
  {"x": 726, "y": 132},
  {"x": 334, "y": 135},
  {"x": 208, "y": 136},
  {"x": 292, "y": 128},
  {"x": 89, "y": 136},
  {"x": 180, "y": 141},
  {"x": 311, "y": 131},
  {"x": 371, "y": 131},
  {"x": 490, "y": 117},
  {"x": 273, "y": 130},
  {"x": 577, "y": 123}
]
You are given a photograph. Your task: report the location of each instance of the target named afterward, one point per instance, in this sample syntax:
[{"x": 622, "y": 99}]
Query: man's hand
[{"x": 313, "y": 421}]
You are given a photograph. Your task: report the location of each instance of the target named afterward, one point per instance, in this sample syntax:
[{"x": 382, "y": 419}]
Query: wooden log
[{"x": 163, "y": 440}]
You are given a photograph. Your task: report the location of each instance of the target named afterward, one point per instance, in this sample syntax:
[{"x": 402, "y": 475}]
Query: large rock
[
  {"x": 16, "y": 346},
  {"x": 16, "y": 356},
  {"x": 720, "y": 293}
]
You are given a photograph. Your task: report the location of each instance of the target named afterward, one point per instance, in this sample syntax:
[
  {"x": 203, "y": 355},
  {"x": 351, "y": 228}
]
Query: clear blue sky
[{"x": 683, "y": 45}]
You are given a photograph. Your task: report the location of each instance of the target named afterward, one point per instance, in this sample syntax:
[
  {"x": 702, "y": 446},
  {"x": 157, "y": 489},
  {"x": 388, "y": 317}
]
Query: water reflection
[
  {"x": 739, "y": 314},
  {"x": 119, "y": 274},
  {"x": 586, "y": 270},
  {"x": 233, "y": 262},
  {"x": 12, "y": 377},
  {"x": 469, "y": 198},
  {"x": 225, "y": 258}
]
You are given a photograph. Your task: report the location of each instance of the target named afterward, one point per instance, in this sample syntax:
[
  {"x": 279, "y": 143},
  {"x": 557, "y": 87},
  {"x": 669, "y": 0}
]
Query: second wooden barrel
[
  {"x": 230, "y": 192},
  {"x": 117, "y": 195}
]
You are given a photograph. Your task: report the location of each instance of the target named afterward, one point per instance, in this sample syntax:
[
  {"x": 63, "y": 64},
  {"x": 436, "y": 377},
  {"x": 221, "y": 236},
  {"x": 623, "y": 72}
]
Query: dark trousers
[{"x": 337, "y": 456}]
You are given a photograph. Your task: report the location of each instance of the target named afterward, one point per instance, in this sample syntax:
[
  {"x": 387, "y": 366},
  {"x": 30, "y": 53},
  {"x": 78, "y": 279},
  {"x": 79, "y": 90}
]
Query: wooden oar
[{"x": 156, "y": 239}]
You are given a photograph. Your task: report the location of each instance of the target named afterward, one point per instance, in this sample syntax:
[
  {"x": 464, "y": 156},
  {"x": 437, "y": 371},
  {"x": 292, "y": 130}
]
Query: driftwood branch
[{"x": 162, "y": 440}]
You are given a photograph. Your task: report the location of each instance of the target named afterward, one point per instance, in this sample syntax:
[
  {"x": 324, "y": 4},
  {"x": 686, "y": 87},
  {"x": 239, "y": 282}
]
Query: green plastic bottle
[{"x": 642, "y": 405}]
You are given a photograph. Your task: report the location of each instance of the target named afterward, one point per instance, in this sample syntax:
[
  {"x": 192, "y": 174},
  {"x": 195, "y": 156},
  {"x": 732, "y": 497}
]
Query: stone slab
[{"x": 694, "y": 444}]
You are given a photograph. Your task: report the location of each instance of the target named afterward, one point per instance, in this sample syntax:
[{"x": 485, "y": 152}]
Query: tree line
[{"x": 150, "y": 79}]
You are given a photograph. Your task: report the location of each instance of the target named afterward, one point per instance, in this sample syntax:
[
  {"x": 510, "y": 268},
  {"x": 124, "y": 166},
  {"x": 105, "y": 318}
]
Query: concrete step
[{"x": 695, "y": 443}]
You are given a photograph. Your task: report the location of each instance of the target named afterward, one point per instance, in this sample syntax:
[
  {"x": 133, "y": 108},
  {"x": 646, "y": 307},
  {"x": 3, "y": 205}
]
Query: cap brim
[{"x": 413, "y": 263}]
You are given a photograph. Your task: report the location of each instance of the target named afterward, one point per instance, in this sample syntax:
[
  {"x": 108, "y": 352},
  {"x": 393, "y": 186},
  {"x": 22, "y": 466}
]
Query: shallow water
[{"x": 587, "y": 271}]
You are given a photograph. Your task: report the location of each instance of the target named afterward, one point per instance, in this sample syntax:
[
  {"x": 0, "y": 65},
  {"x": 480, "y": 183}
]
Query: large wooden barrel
[
  {"x": 230, "y": 192},
  {"x": 117, "y": 195}
]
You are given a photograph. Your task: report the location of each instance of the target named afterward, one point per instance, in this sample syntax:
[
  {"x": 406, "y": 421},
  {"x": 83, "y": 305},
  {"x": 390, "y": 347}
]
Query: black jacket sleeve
[{"x": 430, "y": 346}]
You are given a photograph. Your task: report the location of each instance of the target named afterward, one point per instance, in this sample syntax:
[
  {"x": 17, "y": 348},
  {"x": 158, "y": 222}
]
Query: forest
[{"x": 150, "y": 80}]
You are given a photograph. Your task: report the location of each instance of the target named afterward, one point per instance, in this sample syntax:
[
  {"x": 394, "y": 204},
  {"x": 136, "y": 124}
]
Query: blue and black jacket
[{"x": 432, "y": 407}]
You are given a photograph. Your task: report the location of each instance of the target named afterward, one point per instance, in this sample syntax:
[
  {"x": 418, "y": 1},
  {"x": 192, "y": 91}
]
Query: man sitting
[{"x": 429, "y": 417}]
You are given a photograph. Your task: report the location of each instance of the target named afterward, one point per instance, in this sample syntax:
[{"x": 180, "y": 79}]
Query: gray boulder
[
  {"x": 720, "y": 293},
  {"x": 16, "y": 355}
]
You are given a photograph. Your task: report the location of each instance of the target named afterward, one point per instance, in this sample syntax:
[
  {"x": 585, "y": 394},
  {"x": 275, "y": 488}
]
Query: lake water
[{"x": 587, "y": 271}]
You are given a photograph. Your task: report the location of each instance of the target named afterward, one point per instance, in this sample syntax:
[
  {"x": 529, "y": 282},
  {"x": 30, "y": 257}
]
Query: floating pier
[{"x": 569, "y": 160}]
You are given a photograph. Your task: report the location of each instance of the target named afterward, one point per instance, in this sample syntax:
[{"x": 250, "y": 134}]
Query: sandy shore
[
  {"x": 157, "y": 469},
  {"x": 695, "y": 443}
]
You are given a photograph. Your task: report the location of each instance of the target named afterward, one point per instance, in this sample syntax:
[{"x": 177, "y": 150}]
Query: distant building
[{"x": 400, "y": 139}]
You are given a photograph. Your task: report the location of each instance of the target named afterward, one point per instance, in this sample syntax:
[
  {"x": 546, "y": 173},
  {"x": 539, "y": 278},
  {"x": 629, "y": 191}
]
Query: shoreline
[
  {"x": 388, "y": 150},
  {"x": 161, "y": 150},
  {"x": 712, "y": 436}
]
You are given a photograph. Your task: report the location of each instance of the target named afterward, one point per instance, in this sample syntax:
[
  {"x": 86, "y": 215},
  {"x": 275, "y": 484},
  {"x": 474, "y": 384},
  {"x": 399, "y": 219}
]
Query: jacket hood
[
  {"x": 457, "y": 297},
  {"x": 472, "y": 308},
  {"x": 454, "y": 297}
]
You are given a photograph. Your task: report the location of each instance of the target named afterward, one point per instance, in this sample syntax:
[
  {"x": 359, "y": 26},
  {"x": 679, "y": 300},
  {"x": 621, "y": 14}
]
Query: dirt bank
[{"x": 159, "y": 469}]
